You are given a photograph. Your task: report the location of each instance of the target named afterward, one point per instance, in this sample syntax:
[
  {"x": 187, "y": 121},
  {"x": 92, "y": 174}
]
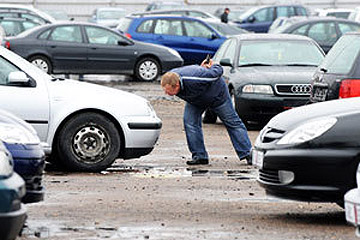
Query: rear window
[
  {"x": 342, "y": 55},
  {"x": 124, "y": 24}
]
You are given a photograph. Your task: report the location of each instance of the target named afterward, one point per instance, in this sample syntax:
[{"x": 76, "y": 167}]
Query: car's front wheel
[
  {"x": 147, "y": 69},
  {"x": 88, "y": 142},
  {"x": 41, "y": 62}
]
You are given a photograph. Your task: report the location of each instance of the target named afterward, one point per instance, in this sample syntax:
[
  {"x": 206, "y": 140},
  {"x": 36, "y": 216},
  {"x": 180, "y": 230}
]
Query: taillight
[
  {"x": 7, "y": 44},
  {"x": 128, "y": 35},
  {"x": 349, "y": 88}
]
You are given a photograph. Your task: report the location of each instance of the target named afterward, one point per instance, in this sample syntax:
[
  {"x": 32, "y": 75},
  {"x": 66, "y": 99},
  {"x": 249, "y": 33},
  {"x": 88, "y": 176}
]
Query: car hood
[
  {"x": 91, "y": 95},
  {"x": 274, "y": 74},
  {"x": 294, "y": 117}
]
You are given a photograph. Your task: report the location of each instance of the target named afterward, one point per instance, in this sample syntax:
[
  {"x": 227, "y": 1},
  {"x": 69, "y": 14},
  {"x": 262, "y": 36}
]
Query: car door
[
  {"x": 67, "y": 49},
  {"x": 260, "y": 20},
  {"x": 108, "y": 52},
  {"x": 200, "y": 41},
  {"x": 29, "y": 101}
]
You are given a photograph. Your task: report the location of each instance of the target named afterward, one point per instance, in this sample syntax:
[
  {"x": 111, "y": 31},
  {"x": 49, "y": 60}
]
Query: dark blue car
[
  {"x": 191, "y": 37},
  {"x": 259, "y": 19},
  {"x": 12, "y": 189},
  {"x": 29, "y": 159}
]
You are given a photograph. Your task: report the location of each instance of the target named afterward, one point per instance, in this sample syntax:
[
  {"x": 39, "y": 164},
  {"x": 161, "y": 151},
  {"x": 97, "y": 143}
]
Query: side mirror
[
  {"x": 251, "y": 19},
  {"x": 17, "y": 77},
  {"x": 226, "y": 62},
  {"x": 213, "y": 36},
  {"x": 123, "y": 43}
]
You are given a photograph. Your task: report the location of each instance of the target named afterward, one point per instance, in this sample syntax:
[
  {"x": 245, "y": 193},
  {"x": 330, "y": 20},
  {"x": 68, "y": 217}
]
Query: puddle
[{"x": 168, "y": 172}]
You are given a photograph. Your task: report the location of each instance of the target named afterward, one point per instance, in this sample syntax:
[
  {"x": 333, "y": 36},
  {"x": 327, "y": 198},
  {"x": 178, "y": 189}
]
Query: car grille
[
  {"x": 269, "y": 176},
  {"x": 293, "y": 89},
  {"x": 271, "y": 134}
]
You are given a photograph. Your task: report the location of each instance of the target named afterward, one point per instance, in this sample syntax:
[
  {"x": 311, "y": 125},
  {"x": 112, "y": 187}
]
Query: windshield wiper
[
  {"x": 302, "y": 65},
  {"x": 255, "y": 64},
  {"x": 57, "y": 78}
]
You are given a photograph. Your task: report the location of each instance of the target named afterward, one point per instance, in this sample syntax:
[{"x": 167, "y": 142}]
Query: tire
[
  {"x": 41, "y": 62},
  {"x": 147, "y": 69},
  {"x": 209, "y": 116},
  {"x": 88, "y": 142}
]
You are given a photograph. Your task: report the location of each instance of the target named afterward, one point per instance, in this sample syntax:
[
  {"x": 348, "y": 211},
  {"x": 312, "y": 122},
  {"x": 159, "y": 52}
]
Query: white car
[{"x": 82, "y": 125}]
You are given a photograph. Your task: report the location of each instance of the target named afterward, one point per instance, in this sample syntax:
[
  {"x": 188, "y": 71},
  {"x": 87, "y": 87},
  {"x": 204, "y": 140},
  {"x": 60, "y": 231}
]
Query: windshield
[
  {"x": 280, "y": 52},
  {"x": 342, "y": 55}
]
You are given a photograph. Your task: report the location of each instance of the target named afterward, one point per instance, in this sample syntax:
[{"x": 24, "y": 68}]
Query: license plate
[
  {"x": 320, "y": 94},
  {"x": 352, "y": 212},
  {"x": 258, "y": 159}
]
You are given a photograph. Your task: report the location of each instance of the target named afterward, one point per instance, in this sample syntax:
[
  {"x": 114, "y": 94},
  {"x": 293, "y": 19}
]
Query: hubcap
[
  {"x": 91, "y": 144},
  {"x": 41, "y": 64},
  {"x": 148, "y": 70}
]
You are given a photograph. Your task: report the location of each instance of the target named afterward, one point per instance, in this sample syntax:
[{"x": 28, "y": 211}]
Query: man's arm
[{"x": 211, "y": 69}]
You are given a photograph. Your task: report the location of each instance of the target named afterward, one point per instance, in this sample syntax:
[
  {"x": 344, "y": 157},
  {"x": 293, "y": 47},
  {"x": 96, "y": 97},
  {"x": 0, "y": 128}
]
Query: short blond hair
[{"x": 170, "y": 78}]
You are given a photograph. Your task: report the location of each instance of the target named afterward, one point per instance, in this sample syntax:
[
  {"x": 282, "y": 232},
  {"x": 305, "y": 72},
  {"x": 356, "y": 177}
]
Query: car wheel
[
  {"x": 41, "y": 62},
  {"x": 209, "y": 116},
  {"x": 147, "y": 69},
  {"x": 88, "y": 142}
]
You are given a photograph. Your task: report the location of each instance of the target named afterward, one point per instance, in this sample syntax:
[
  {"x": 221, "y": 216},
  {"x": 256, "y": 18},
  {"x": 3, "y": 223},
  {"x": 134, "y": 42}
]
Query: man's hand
[{"x": 207, "y": 64}]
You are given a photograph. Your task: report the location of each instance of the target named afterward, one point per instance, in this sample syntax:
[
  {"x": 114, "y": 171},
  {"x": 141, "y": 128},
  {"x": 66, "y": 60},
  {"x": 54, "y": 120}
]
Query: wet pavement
[{"x": 159, "y": 197}]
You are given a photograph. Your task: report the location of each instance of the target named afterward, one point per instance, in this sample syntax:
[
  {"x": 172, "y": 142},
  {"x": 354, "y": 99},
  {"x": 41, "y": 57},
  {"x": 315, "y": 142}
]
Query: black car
[
  {"x": 324, "y": 30},
  {"x": 310, "y": 153},
  {"x": 267, "y": 74},
  {"x": 338, "y": 76},
  {"x": 81, "y": 48}
]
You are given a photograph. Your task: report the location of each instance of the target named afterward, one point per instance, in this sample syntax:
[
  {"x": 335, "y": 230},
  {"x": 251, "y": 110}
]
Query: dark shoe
[
  {"x": 248, "y": 159},
  {"x": 198, "y": 162}
]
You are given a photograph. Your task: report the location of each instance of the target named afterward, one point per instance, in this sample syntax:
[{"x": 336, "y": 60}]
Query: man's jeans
[{"x": 235, "y": 127}]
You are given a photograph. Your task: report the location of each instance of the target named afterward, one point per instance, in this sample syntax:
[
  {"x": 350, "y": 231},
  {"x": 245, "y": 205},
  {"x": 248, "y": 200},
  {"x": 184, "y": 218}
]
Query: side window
[
  {"x": 301, "y": 30},
  {"x": 45, "y": 34},
  {"x": 66, "y": 34},
  {"x": 220, "y": 54},
  {"x": 6, "y": 68},
  {"x": 145, "y": 27},
  {"x": 28, "y": 25},
  {"x": 264, "y": 15},
  {"x": 324, "y": 33},
  {"x": 168, "y": 27},
  {"x": 197, "y": 29},
  {"x": 348, "y": 27},
  {"x": 291, "y": 11},
  {"x": 102, "y": 36},
  {"x": 300, "y": 11},
  {"x": 282, "y": 12}
]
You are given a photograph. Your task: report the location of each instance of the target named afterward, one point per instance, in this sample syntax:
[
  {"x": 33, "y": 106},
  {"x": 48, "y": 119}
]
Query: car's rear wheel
[
  {"x": 147, "y": 69},
  {"x": 41, "y": 62},
  {"x": 88, "y": 142}
]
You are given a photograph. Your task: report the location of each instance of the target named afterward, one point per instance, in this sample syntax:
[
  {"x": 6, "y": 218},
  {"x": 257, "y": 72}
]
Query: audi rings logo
[{"x": 301, "y": 89}]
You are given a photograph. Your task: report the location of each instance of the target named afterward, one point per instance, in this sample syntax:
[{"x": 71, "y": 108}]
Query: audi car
[
  {"x": 310, "y": 153},
  {"x": 267, "y": 73}
]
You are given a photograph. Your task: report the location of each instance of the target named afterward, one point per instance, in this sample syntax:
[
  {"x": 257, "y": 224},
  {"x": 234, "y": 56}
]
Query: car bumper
[
  {"x": 323, "y": 175},
  {"x": 168, "y": 65},
  {"x": 29, "y": 163},
  {"x": 258, "y": 107},
  {"x": 11, "y": 223}
]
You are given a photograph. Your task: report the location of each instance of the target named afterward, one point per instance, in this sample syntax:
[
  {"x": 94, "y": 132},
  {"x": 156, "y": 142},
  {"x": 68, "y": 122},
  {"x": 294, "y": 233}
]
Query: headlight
[
  {"x": 6, "y": 169},
  {"x": 10, "y": 133},
  {"x": 308, "y": 131},
  {"x": 174, "y": 52},
  {"x": 260, "y": 89}
]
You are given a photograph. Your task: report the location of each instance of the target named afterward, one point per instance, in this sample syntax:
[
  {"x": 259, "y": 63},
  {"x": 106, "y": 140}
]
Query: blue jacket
[{"x": 202, "y": 87}]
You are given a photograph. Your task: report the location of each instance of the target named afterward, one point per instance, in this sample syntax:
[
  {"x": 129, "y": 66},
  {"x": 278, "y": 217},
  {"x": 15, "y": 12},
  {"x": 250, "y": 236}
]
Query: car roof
[
  {"x": 270, "y": 36},
  {"x": 27, "y": 8}
]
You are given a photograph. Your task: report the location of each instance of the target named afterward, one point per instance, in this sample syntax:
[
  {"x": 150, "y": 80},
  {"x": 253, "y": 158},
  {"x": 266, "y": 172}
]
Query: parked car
[
  {"x": 334, "y": 12},
  {"x": 355, "y": 15},
  {"x": 338, "y": 76},
  {"x": 107, "y": 16},
  {"x": 21, "y": 139},
  {"x": 258, "y": 19},
  {"x": 310, "y": 153},
  {"x": 180, "y": 12},
  {"x": 71, "y": 47},
  {"x": 325, "y": 31},
  {"x": 83, "y": 126},
  {"x": 226, "y": 29},
  {"x": 191, "y": 37},
  {"x": 12, "y": 189},
  {"x": 23, "y": 11},
  {"x": 234, "y": 14},
  {"x": 267, "y": 73},
  {"x": 14, "y": 26},
  {"x": 282, "y": 22},
  {"x": 157, "y": 5}
]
